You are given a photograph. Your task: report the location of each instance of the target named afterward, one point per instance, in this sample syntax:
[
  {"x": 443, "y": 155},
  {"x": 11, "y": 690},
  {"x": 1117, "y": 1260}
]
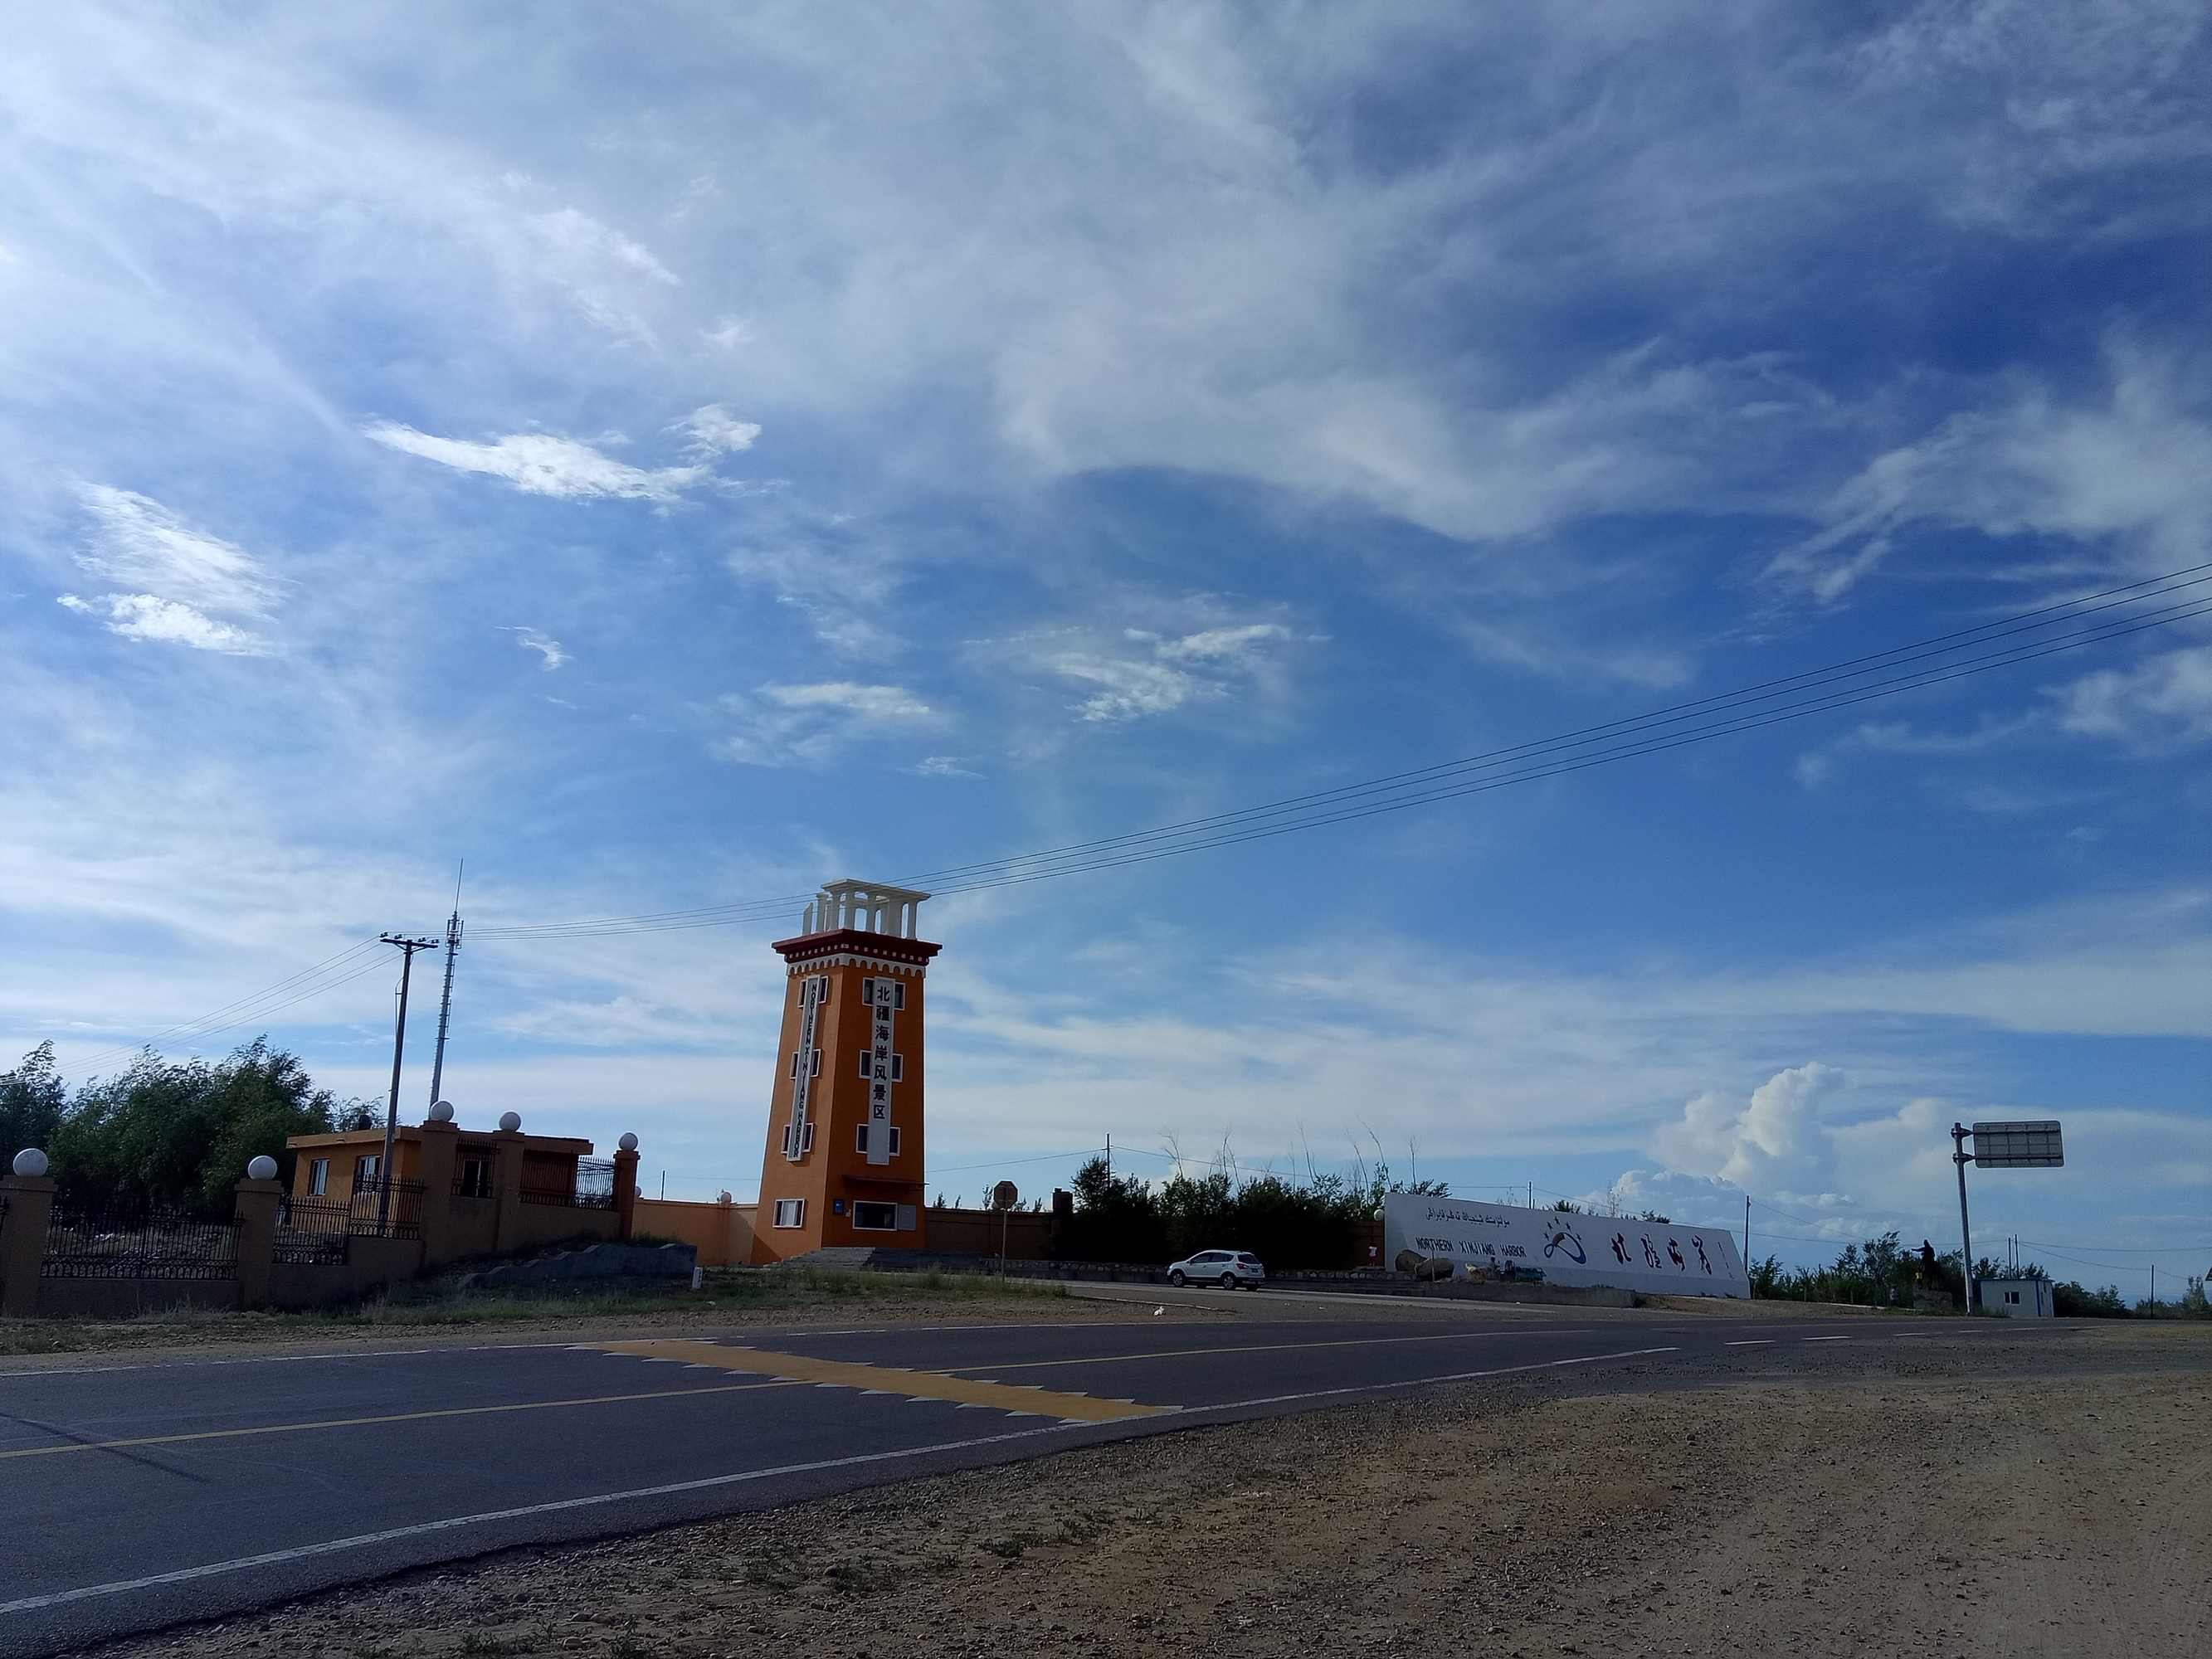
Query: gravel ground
[{"x": 1898, "y": 1498}]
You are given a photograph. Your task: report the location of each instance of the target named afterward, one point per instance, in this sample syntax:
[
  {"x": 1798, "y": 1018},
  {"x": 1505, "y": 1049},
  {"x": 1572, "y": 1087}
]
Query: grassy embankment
[{"x": 738, "y": 1294}]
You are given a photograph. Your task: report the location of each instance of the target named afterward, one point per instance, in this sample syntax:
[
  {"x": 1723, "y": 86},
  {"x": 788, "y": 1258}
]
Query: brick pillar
[
  {"x": 508, "y": 1178},
  {"x": 625, "y": 1191},
  {"x": 30, "y": 1200},
  {"x": 255, "y": 1206},
  {"x": 435, "y": 1154}
]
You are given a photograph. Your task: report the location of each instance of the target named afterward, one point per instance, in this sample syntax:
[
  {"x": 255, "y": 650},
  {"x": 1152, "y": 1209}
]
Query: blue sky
[{"x": 679, "y": 457}]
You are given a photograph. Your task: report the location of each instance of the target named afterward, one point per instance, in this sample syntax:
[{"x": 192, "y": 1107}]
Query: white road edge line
[
  {"x": 452, "y": 1523},
  {"x": 1751, "y": 1342},
  {"x": 1823, "y": 1338}
]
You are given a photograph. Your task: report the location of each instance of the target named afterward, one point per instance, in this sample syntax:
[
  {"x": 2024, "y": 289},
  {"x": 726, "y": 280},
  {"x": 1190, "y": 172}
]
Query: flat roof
[{"x": 414, "y": 1132}]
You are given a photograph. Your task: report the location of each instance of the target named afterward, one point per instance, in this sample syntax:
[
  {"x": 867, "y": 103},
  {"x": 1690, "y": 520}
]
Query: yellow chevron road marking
[{"x": 881, "y": 1379}]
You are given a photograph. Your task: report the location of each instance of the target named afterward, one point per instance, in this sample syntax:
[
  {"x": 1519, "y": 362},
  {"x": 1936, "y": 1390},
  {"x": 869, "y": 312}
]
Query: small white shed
[{"x": 2018, "y": 1298}]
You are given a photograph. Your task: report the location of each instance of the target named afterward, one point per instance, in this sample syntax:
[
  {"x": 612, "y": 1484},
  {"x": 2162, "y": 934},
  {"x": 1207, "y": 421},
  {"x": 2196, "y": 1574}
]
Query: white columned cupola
[{"x": 866, "y": 907}]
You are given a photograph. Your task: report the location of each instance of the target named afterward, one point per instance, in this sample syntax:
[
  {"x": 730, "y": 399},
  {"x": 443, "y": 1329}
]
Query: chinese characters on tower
[{"x": 881, "y": 994}]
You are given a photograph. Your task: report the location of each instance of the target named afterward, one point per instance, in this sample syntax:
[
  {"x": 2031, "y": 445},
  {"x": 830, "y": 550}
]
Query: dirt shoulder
[{"x": 1901, "y": 1499}]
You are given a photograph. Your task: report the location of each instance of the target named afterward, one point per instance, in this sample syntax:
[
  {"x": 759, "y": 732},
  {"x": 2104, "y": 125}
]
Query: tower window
[
  {"x": 898, "y": 993},
  {"x": 790, "y": 1212},
  {"x": 875, "y": 1218},
  {"x": 868, "y": 1067},
  {"x": 860, "y": 1138}
]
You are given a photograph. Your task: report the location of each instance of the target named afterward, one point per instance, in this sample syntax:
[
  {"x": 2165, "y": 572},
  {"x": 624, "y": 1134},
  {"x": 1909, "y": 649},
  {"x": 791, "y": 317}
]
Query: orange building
[
  {"x": 843, "y": 1160},
  {"x": 336, "y": 1166}
]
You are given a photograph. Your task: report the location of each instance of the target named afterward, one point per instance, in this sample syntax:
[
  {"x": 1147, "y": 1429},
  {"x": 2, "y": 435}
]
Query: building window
[
  {"x": 860, "y": 1138},
  {"x": 898, "y": 1067},
  {"x": 795, "y": 1136},
  {"x": 898, "y": 993},
  {"x": 476, "y": 1178},
  {"x": 318, "y": 1177},
  {"x": 2013, "y": 1297},
  {"x": 815, "y": 1069},
  {"x": 868, "y": 1065},
  {"x": 790, "y": 1212},
  {"x": 365, "y": 1169},
  {"x": 875, "y": 1218},
  {"x": 795, "y": 1062}
]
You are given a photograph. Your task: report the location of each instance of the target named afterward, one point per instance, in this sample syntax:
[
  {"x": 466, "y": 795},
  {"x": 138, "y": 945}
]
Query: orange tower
[{"x": 843, "y": 1160}]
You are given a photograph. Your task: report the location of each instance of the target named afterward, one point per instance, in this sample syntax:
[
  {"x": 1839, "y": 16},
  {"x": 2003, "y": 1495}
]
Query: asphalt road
[{"x": 138, "y": 1493}]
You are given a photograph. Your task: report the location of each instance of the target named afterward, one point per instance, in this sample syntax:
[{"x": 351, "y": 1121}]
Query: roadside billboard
[{"x": 1441, "y": 1237}]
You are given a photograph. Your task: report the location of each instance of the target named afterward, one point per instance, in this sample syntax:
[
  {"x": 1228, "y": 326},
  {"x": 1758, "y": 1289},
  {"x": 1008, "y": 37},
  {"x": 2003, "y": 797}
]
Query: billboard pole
[{"x": 1960, "y": 1157}]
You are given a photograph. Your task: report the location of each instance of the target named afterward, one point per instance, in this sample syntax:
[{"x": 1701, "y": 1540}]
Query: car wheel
[
  {"x": 1177, "y": 1279},
  {"x": 1229, "y": 1281}
]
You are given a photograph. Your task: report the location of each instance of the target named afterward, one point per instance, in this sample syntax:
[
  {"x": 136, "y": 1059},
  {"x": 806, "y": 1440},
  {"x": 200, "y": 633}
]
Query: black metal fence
[
  {"x": 574, "y": 1201},
  {"x": 393, "y": 1209},
  {"x": 311, "y": 1230},
  {"x": 123, "y": 1241},
  {"x": 315, "y": 1230}
]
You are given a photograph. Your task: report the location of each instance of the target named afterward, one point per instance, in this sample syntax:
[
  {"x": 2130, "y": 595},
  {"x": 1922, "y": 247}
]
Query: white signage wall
[
  {"x": 883, "y": 995},
  {"x": 1449, "y": 1236}
]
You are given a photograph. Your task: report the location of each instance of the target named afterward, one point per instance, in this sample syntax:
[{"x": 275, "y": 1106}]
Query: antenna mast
[{"x": 446, "y": 1001}]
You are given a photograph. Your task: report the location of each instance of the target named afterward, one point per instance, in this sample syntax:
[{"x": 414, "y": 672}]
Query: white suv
[{"x": 1227, "y": 1268}]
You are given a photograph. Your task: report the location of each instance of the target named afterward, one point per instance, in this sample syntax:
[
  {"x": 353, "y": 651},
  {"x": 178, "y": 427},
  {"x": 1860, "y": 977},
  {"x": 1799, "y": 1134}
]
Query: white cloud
[
  {"x": 715, "y": 431},
  {"x": 573, "y": 232},
  {"x": 2159, "y": 704},
  {"x": 1132, "y": 690},
  {"x": 943, "y": 766},
  {"x": 144, "y": 616},
  {"x": 869, "y": 703},
  {"x": 541, "y": 464},
  {"x": 547, "y": 648},
  {"x": 2133, "y": 468},
  {"x": 1765, "y": 1141},
  {"x": 1235, "y": 646},
  {"x": 730, "y": 332},
  {"x": 804, "y": 724},
  {"x": 1207, "y": 665},
  {"x": 180, "y": 575},
  {"x": 138, "y": 544}
]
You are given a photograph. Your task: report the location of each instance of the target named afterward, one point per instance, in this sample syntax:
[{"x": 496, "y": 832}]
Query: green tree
[
  {"x": 183, "y": 1131},
  {"x": 32, "y": 1098}
]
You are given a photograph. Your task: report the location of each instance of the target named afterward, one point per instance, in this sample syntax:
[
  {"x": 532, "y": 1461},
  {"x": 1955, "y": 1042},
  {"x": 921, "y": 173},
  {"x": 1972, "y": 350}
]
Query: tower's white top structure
[{"x": 868, "y": 906}]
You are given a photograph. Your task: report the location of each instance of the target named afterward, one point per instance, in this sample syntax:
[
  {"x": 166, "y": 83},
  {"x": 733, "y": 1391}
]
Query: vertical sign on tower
[
  {"x": 881, "y": 992},
  {"x": 812, "y": 993}
]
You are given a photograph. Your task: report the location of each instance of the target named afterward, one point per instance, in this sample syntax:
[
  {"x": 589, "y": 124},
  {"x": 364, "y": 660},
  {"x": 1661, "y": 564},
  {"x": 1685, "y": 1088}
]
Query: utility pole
[
  {"x": 1747, "y": 1235},
  {"x": 408, "y": 947},
  {"x": 1961, "y": 1157},
  {"x": 1109, "y": 1157},
  {"x": 446, "y": 1001}
]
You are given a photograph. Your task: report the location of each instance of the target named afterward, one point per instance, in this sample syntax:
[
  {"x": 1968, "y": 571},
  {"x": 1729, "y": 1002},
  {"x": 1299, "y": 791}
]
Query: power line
[
  {"x": 1353, "y": 802},
  {"x": 246, "y": 1010},
  {"x": 1669, "y": 715}
]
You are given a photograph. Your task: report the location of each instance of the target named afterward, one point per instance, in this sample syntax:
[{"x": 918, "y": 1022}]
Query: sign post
[
  {"x": 2016, "y": 1145},
  {"x": 1004, "y": 1197}
]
